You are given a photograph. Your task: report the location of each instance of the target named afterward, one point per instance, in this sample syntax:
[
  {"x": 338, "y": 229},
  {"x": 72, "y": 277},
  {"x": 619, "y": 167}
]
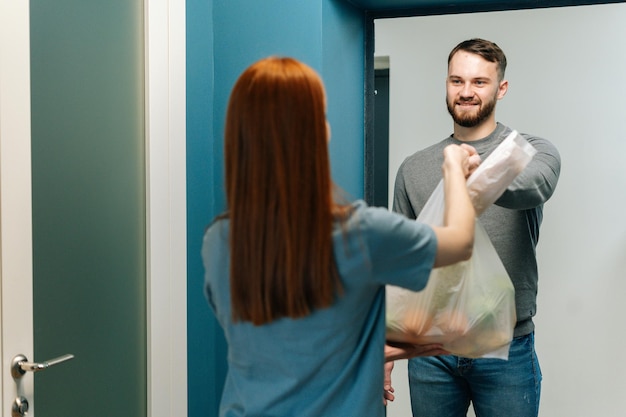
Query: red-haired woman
[{"x": 297, "y": 279}]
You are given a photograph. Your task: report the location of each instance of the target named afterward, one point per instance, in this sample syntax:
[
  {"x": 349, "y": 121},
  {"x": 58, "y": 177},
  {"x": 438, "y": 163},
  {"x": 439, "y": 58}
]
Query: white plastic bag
[{"x": 468, "y": 307}]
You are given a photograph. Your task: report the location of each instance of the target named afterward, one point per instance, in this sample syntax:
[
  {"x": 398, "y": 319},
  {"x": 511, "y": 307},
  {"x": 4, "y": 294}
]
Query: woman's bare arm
[{"x": 455, "y": 239}]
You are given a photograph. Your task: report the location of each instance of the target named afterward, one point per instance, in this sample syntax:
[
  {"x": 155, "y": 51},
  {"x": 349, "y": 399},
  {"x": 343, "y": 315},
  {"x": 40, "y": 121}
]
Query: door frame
[
  {"x": 166, "y": 279},
  {"x": 16, "y": 312},
  {"x": 166, "y": 205}
]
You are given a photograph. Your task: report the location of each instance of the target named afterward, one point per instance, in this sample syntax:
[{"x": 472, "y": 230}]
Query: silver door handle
[{"x": 20, "y": 364}]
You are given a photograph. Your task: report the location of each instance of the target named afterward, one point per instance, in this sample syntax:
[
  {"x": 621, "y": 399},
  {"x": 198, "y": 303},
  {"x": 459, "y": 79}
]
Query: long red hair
[{"x": 279, "y": 193}]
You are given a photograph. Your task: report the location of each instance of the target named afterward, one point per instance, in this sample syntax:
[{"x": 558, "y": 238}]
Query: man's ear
[{"x": 503, "y": 88}]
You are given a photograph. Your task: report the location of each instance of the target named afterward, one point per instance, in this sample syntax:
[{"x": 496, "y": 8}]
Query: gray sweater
[{"x": 512, "y": 222}]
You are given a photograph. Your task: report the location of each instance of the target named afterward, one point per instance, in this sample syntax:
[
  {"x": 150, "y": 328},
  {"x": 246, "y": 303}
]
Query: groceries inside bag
[{"x": 468, "y": 307}]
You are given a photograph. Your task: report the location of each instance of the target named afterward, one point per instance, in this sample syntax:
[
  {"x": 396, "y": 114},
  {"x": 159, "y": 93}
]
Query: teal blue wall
[{"x": 223, "y": 38}]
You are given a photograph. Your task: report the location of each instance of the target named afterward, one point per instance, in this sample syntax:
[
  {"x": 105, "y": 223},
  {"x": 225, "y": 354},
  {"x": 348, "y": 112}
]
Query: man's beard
[{"x": 467, "y": 119}]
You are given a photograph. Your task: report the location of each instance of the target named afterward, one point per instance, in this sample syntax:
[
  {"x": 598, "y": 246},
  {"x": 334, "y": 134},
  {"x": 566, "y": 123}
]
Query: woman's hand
[
  {"x": 395, "y": 351},
  {"x": 473, "y": 160},
  {"x": 463, "y": 156},
  {"x": 387, "y": 388}
]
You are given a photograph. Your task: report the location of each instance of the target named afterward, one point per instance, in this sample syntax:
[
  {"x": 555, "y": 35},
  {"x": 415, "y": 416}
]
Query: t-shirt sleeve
[
  {"x": 216, "y": 260},
  {"x": 208, "y": 294},
  {"x": 402, "y": 251}
]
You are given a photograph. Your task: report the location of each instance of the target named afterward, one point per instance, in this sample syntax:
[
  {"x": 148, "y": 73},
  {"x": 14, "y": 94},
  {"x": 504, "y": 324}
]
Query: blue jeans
[{"x": 444, "y": 386}]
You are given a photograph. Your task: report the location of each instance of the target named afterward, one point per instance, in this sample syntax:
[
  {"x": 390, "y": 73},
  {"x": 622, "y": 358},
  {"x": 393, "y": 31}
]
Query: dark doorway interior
[{"x": 380, "y": 166}]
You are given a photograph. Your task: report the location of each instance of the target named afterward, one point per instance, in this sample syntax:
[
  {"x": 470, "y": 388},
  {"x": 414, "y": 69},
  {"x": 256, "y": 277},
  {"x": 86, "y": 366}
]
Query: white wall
[{"x": 567, "y": 83}]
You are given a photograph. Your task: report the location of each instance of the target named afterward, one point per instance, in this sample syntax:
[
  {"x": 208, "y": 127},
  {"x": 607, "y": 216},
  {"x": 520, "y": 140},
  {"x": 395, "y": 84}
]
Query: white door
[{"x": 166, "y": 247}]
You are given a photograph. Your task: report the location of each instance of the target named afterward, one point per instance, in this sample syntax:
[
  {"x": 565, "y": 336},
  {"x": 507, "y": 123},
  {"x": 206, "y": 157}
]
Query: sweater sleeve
[
  {"x": 401, "y": 202},
  {"x": 537, "y": 182}
]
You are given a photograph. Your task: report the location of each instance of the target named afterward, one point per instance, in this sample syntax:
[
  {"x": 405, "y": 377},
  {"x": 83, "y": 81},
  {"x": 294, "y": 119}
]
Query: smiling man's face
[{"x": 472, "y": 89}]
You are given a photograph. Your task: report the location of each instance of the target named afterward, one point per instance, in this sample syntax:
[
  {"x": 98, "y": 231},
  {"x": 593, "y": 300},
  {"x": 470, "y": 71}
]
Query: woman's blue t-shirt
[{"x": 329, "y": 363}]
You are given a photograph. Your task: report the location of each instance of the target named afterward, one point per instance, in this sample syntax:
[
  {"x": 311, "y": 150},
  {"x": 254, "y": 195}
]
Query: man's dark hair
[{"x": 486, "y": 49}]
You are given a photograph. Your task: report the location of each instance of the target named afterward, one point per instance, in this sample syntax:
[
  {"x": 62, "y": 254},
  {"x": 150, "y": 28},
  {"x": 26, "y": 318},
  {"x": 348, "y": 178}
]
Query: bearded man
[{"x": 445, "y": 386}]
